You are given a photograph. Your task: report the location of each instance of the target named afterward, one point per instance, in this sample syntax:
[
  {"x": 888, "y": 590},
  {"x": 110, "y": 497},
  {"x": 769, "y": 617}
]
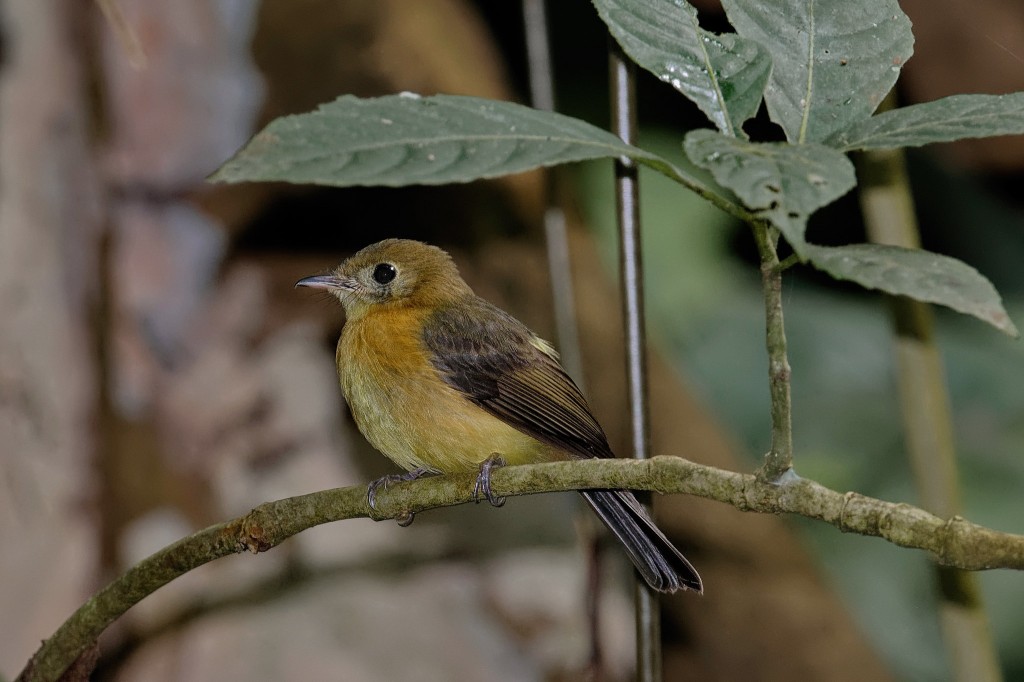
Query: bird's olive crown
[{"x": 401, "y": 271}]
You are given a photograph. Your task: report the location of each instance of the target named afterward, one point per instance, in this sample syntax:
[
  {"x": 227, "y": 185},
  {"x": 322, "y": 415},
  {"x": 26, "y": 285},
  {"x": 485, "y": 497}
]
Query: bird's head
[{"x": 392, "y": 273}]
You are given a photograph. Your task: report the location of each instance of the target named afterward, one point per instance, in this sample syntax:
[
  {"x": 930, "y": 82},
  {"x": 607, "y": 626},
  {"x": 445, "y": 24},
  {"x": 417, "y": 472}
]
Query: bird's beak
[{"x": 326, "y": 282}]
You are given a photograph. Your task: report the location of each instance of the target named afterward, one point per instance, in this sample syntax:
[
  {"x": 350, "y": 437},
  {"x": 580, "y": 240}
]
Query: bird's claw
[
  {"x": 384, "y": 481},
  {"x": 482, "y": 488}
]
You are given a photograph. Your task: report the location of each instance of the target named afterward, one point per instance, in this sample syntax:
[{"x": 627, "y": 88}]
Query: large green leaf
[
  {"x": 944, "y": 120},
  {"x": 834, "y": 60},
  {"x": 781, "y": 182},
  {"x": 407, "y": 139},
  {"x": 724, "y": 75},
  {"x": 921, "y": 275}
]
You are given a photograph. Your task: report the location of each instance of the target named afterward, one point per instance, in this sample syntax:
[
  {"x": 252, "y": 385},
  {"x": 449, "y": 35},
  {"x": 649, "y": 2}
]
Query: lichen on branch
[{"x": 953, "y": 542}]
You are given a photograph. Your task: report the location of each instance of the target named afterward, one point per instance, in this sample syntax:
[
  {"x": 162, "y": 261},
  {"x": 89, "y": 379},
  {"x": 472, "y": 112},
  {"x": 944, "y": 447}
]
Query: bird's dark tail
[{"x": 662, "y": 565}]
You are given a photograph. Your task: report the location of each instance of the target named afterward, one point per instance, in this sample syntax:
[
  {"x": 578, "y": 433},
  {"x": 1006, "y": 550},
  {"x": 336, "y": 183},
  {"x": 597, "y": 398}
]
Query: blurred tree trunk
[{"x": 49, "y": 208}]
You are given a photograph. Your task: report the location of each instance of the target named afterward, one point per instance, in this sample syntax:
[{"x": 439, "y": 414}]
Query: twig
[
  {"x": 953, "y": 542},
  {"x": 788, "y": 262},
  {"x": 622, "y": 77},
  {"x": 779, "y": 459}
]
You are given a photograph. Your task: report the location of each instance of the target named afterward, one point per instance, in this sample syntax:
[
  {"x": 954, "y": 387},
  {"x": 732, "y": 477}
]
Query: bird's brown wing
[
  {"x": 504, "y": 368},
  {"x": 500, "y": 365}
]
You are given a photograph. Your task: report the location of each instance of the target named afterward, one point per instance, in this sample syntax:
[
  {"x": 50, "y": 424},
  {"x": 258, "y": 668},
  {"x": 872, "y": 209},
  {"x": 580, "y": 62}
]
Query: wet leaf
[
  {"x": 781, "y": 182},
  {"x": 407, "y": 140},
  {"x": 724, "y": 75},
  {"x": 944, "y": 120},
  {"x": 835, "y": 60},
  {"x": 921, "y": 275}
]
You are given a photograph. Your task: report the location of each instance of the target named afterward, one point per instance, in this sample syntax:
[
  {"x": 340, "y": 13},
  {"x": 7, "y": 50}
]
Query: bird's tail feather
[{"x": 662, "y": 565}]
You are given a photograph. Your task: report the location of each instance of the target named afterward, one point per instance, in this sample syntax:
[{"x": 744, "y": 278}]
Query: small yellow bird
[{"x": 441, "y": 381}]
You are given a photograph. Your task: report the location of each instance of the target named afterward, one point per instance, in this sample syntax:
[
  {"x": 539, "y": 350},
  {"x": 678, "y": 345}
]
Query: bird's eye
[{"x": 384, "y": 273}]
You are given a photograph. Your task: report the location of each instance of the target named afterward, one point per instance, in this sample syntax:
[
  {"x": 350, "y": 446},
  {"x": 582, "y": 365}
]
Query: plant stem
[
  {"x": 788, "y": 262},
  {"x": 627, "y": 194},
  {"x": 924, "y": 401},
  {"x": 779, "y": 459}
]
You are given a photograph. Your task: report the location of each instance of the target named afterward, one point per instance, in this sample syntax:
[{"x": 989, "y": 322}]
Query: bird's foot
[
  {"x": 482, "y": 489},
  {"x": 385, "y": 481}
]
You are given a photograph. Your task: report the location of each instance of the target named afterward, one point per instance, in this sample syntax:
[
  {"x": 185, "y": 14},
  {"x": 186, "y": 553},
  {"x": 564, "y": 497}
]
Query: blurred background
[{"x": 158, "y": 373}]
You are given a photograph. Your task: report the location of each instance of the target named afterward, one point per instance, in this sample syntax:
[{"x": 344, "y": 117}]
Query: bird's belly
[{"x": 405, "y": 410}]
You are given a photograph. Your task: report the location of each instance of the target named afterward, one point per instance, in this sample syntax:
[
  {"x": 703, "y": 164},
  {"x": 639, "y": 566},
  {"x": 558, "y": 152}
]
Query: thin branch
[
  {"x": 788, "y": 262},
  {"x": 953, "y": 542},
  {"x": 622, "y": 80},
  {"x": 717, "y": 196},
  {"x": 779, "y": 459}
]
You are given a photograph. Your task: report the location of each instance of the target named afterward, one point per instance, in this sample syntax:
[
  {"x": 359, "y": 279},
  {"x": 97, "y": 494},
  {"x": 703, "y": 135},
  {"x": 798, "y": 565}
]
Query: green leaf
[
  {"x": 835, "y": 60},
  {"x": 724, "y": 75},
  {"x": 921, "y": 275},
  {"x": 944, "y": 120},
  {"x": 781, "y": 182},
  {"x": 408, "y": 140}
]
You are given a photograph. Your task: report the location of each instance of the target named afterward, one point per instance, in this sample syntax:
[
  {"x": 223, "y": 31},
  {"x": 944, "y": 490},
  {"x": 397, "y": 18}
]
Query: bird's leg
[
  {"x": 385, "y": 481},
  {"x": 483, "y": 480}
]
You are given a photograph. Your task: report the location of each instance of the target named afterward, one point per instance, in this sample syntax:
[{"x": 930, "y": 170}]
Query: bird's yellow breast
[{"x": 405, "y": 409}]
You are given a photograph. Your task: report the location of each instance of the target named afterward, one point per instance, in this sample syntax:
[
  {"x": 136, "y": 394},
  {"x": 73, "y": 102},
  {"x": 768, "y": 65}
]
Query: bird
[{"x": 441, "y": 381}]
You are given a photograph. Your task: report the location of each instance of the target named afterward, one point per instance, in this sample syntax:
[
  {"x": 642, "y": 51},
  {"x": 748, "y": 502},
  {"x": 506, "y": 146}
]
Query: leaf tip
[{"x": 1001, "y": 321}]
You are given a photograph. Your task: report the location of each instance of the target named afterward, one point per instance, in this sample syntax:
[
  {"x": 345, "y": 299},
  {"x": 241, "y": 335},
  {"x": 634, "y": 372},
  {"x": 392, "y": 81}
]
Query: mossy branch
[{"x": 953, "y": 542}]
